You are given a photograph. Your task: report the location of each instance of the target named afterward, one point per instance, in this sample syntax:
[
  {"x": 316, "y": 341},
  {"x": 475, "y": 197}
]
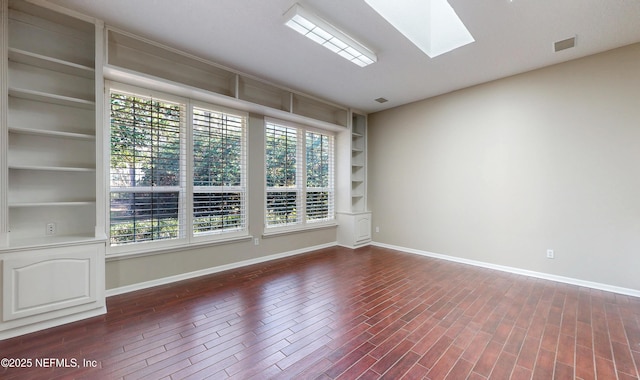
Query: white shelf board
[
  {"x": 51, "y": 168},
  {"x": 18, "y": 244},
  {"x": 51, "y": 204},
  {"x": 51, "y": 98},
  {"x": 51, "y": 133},
  {"x": 39, "y": 60}
]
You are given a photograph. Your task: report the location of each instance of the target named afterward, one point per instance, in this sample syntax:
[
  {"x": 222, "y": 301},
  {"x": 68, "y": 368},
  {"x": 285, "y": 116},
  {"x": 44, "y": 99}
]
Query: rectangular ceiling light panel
[
  {"x": 431, "y": 25},
  {"x": 320, "y": 31}
]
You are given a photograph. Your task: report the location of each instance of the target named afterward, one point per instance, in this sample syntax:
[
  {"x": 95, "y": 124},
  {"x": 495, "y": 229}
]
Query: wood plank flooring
[{"x": 346, "y": 314}]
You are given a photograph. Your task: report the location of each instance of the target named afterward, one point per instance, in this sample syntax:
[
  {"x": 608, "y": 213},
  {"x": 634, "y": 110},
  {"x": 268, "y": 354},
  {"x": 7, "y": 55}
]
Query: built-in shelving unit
[
  {"x": 51, "y": 99},
  {"x": 254, "y": 91},
  {"x": 144, "y": 56},
  {"x": 358, "y": 162},
  {"x": 145, "y": 62},
  {"x": 353, "y": 215},
  {"x": 51, "y": 124}
]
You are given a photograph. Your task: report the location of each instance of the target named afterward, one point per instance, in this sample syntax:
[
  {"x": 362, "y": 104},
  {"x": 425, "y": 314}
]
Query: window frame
[
  {"x": 187, "y": 237},
  {"x": 301, "y": 186}
]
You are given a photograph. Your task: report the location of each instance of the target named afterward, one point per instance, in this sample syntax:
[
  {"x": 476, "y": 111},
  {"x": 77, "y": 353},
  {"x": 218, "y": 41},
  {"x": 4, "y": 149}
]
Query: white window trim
[
  {"x": 313, "y": 226},
  {"x": 187, "y": 239},
  {"x": 303, "y": 225}
]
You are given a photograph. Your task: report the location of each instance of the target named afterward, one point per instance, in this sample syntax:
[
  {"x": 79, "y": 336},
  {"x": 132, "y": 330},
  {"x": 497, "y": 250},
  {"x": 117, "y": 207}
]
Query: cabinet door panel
[
  {"x": 363, "y": 228},
  {"x": 39, "y": 283}
]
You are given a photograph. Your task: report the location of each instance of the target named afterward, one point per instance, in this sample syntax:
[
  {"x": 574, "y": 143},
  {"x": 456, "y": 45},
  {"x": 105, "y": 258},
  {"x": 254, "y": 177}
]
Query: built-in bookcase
[
  {"x": 51, "y": 124},
  {"x": 353, "y": 214},
  {"x": 358, "y": 163},
  {"x": 51, "y": 248}
]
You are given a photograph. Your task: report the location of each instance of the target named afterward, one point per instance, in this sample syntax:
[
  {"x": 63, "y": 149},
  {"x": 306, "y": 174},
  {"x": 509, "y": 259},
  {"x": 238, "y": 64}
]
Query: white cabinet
[
  {"x": 44, "y": 282},
  {"x": 52, "y": 242},
  {"x": 354, "y": 229}
]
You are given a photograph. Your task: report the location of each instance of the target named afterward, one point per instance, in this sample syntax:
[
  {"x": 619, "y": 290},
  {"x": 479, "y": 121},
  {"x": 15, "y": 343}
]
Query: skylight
[{"x": 431, "y": 25}]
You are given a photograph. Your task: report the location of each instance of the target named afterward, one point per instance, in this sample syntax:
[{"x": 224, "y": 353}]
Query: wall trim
[
  {"x": 524, "y": 272},
  {"x": 482, "y": 264},
  {"x": 39, "y": 326},
  {"x": 212, "y": 270},
  {"x": 355, "y": 246}
]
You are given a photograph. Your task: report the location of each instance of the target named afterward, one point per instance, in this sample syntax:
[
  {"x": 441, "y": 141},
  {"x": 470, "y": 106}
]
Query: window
[
  {"x": 319, "y": 194},
  {"x": 174, "y": 177},
  {"x": 218, "y": 172},
  {"x": 147, "y": 158},
  {"x": 299, "y": 176}
]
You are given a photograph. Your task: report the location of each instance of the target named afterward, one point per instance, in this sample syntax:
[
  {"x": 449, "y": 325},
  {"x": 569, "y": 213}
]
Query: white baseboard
[
  {"x": 28, "y": 329},
  {"x": 354, "y": 246},
  {"x": 524, "y": 272},
  {"x": 204, "y": 272}
]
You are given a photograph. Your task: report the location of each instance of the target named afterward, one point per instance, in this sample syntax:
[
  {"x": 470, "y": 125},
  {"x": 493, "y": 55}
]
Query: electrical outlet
[
  {"x": 51, "y": 229},
  {"x": 377, "y": 229},
  {"x": 550, "y": 254},
  {"x": 256, "y": 241}
]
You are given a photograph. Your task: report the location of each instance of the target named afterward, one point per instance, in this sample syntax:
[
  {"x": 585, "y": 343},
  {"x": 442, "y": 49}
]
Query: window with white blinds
[
  {"x": 299, "y": 176},
  {"x": 319, "y": 192},
  {"x": 283, "y": 175},
  {"x": 219, "y": 172},
  {"x": 147, "y": 169},
  {"x": 153, "y": 194}
]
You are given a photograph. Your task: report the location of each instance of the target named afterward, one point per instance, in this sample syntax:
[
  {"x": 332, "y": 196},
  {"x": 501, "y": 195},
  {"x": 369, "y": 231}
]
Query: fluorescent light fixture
[
  {"x": 431, "y": 25},
  {"x": 320, "y": 31}
]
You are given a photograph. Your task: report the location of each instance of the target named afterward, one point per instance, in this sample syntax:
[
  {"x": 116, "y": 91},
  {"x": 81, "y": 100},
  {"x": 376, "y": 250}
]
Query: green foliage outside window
[{"x": 283, "y": 171}]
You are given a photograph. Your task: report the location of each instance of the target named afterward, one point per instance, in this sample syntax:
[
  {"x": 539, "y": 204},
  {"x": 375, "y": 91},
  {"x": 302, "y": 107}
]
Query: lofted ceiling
[{"x": 250, "y": 36}]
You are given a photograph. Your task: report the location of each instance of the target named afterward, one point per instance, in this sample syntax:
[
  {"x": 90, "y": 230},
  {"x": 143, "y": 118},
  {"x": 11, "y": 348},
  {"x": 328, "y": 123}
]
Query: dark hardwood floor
[{"x": 338, "y": 313}]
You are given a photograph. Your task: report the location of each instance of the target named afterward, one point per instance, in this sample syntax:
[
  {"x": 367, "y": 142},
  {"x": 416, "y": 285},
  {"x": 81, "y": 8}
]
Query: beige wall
[
  {"x": 135, "y": 270},
  {"x": 503, "y": 171}
]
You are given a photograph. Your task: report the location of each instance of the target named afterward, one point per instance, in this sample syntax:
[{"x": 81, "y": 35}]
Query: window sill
[
  {"x": 178, "y": 246},
  {"x": 297, "y": 229}
]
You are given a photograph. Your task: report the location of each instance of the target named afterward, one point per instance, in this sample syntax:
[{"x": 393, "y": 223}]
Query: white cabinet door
[
  {"x": 363, "y": 228},
  {"x": 43, "y": 281}
]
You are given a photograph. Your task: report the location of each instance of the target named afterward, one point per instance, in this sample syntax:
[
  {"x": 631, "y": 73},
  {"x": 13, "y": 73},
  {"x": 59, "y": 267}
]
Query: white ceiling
[{"x": 250, "y": 36}]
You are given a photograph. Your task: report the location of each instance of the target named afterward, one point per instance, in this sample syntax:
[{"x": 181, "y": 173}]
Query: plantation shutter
[
  {"x": 299, "y": 176},
  {"x": 219, "y": 172},
  {"x": 320, "y": 177},
  {"x": 146, "y": 169},
  {"x": 283, "y": 176}
]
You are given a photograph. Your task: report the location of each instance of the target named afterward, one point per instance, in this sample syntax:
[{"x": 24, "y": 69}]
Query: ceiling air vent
[
  {"x": 564, "y": 44},
  {"x": 381, "y": 100}
]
